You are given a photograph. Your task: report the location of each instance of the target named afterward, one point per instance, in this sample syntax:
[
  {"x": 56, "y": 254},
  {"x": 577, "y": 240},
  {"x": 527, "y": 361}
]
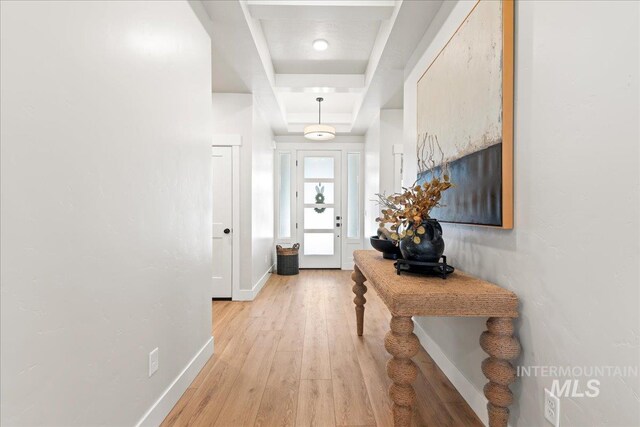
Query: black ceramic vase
[{"x": 431, "y": 244}]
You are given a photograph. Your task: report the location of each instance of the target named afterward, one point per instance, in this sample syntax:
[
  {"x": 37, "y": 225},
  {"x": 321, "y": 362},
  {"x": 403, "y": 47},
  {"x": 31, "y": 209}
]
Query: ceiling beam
[
  {"x": 307, "y": 3},
  {"x": 319, "y": 83},
  {"x": 336, "y": 11}
]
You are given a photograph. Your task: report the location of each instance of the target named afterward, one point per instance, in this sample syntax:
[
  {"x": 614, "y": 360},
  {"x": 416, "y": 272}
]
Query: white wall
[
  {"x": 572, "y": 257},
  {"x": 106, "y": 188},
  {"x": 385, "y": 131},
  {"x": 371, "y": 179},
  {"x": 390, "y": 134},
  {"x": 262, "y": 197},
  {"x": 237, "y": 113},
  {"x": 233, "y": 114}
]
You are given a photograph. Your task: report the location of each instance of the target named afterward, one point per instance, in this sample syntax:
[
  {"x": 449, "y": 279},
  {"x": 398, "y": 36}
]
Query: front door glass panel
[
  {"x": 318, "y": 243},
  {"x": 318, "y": 167},
  {"x": 318, "y": 193},
  {"x": 318, "y": 218}
]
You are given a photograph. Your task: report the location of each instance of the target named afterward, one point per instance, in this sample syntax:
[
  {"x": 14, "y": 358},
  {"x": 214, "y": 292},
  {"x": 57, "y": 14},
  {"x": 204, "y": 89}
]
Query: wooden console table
[{"x": 459, "y": 295}]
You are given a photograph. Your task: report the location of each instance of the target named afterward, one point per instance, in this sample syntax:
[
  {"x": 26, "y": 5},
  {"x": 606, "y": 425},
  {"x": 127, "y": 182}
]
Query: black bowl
[{"x": 388, "y": 248}]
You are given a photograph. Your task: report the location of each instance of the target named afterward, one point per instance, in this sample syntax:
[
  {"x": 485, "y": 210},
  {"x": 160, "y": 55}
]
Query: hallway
[
  {"x": 292, "y": 357},
  {"x": 157, "y": 155}
]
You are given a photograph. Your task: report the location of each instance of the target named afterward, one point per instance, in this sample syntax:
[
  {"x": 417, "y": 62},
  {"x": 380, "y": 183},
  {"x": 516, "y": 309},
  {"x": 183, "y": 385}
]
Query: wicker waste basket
[{"x": 288, "y": 260}]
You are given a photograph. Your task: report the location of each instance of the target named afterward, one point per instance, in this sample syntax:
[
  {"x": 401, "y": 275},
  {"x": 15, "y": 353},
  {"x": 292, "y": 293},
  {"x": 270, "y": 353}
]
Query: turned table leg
[
  {"x": 359, "y": 289},
  {"x": 499, "y": 343},
  {"x": 402, "y": 343}
]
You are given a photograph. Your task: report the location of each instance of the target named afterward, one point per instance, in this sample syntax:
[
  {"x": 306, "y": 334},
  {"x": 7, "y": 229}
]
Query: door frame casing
[
  {"x": 288, "y": 144},
  {"x": 319, "y": 260},
  {"x": 234, "y": 141}
]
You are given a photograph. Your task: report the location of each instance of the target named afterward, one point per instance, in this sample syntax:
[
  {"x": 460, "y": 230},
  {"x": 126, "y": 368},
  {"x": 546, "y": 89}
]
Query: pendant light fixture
[{"x": 319, "y": 132}]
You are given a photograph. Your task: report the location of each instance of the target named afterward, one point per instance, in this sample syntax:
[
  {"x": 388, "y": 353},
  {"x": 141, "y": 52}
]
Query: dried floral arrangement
[{"x": 406, "y": 211}]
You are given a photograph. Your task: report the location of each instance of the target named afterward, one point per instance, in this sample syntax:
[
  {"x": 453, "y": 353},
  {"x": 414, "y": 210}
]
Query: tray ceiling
[{"x": 360, "y": 68}]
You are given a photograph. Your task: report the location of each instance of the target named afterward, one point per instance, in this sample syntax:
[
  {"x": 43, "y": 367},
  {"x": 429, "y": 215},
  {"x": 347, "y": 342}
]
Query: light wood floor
[{"x": 292, "y": 357}]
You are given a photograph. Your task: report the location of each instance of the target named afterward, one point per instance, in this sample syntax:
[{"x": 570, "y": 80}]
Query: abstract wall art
[{"x": 465, "y": 99}]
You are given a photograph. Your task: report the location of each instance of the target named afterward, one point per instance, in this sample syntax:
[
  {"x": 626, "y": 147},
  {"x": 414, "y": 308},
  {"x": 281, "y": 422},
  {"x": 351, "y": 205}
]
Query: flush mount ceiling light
[
  {"x": 319, "y": 132},
  {"x": 320, "y": 45}
]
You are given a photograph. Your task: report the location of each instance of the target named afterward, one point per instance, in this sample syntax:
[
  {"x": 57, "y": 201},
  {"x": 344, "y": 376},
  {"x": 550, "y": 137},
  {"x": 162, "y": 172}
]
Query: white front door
[
  {"x": 319, "y": 219},
  {"x": 222, "y": 220}
]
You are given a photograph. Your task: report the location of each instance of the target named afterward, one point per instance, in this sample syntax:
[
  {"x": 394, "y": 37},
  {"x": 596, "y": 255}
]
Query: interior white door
[
  {"x": 222, "y": 221},
  {"x": 318, "y": 214}
]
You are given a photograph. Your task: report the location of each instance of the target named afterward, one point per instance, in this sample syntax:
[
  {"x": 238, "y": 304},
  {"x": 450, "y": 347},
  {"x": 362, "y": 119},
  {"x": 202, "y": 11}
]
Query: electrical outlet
[
  {"x": 551, "y": 408},
  {"x": 154, "y": 363}
]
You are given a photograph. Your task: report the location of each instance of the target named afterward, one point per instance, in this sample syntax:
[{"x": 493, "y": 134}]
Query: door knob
[{"x": 226, "y": 231}]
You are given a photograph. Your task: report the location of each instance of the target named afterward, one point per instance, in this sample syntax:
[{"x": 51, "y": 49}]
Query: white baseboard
[
  {"x": 243, "y": 295},
  {"x": 249, "y": 295},
  {"x": 265, "y": 277},
  {"x": 474, "y": 397},
  {"x": 161, "y": 408}
]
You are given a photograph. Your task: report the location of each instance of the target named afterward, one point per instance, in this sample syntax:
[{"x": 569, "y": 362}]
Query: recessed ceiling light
[{"x": 320, "y": 45}]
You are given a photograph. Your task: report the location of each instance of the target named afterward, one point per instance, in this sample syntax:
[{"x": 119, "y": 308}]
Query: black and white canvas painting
[{"x": 460, "y": 101}]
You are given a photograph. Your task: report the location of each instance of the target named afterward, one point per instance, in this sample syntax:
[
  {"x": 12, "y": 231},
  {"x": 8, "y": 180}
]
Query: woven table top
[{"x": 412, "y": 295}]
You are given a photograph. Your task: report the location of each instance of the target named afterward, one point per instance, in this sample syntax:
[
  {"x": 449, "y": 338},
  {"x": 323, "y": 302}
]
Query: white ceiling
[
  {"x": 335, "y": 103},
  {"x": 265, "y": 47},
  {"x": 290, "y": 46}
]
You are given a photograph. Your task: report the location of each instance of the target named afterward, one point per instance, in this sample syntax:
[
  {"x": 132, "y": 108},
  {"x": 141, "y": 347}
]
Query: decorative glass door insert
[{"x": 318, "y": 215}]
